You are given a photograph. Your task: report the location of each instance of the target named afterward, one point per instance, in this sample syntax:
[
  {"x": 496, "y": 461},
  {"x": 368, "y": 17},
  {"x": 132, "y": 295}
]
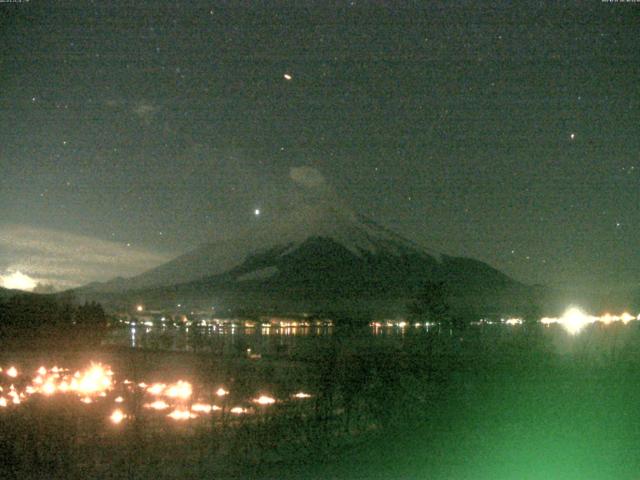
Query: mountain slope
[
  {"x": 315, "y": 258},
  {"x": 354, "y": 232}
]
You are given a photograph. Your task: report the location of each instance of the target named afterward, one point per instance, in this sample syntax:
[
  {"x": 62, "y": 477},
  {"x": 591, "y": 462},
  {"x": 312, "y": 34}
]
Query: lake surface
[{"x": 596, "y": 336}]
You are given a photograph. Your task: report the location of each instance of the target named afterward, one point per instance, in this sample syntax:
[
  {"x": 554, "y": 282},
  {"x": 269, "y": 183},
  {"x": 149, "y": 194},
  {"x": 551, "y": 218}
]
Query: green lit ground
[
  {"x": 570, "y": 415},
  {"x": 501, "y": 403}
]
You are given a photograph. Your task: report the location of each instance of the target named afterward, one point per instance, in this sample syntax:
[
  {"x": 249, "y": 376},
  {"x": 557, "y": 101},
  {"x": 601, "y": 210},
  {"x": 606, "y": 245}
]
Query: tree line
[{"x": 49, "y": 318}]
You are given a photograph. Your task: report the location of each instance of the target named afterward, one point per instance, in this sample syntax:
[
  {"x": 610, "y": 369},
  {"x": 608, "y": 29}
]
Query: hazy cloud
[
  {"x": 64, "y": 259},
  {"x": 316, "y": 191},
  {"x": 307, "y": 177},
  {"x": 145, "y": 111}
]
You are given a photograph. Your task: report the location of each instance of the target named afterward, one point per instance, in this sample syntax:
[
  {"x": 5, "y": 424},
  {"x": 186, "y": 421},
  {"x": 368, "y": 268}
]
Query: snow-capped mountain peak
[{"x": 284, "y": 235}]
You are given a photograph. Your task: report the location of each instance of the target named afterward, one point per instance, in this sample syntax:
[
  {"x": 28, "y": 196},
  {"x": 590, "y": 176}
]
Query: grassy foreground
[{"x": 494, "y": 403}]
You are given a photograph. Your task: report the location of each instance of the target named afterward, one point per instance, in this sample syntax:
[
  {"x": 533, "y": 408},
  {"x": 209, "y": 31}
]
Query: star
[
  {"x": 572, "y": 136},
  {"x": 256, "y": 212},
  {"x": 287, "y": 76}
]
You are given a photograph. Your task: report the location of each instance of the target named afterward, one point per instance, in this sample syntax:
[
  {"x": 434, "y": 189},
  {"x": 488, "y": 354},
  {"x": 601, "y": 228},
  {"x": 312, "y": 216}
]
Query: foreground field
[{"x": 494, "y": 403}]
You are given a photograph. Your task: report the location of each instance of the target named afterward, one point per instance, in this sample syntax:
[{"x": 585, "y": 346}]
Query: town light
[
  {"x": 574, "y": 320},
  {"x": 265, "y": 400}
]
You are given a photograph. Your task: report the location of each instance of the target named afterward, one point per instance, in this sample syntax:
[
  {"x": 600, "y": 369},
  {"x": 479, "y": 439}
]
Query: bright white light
[
  {"x": 574, "y": 320},
  {"x": 607, "y": 318},
  {"x": 181, "y": 414},
  {"x": 95, "y": 380},
  {"x": 49, "y": 388},
  {"x": 117, "y": 416},
  {"x": 17, "y": 281},
  {"x": 256, "y": 212},
  {"x": 513, "y": 321},
  {"x": 264, "y": 400},
  {"x": 626, "y": 317},
  {"x": 221, "y": 392},
  {"x": 157, "y": 405},
  {"x": 201, "y": 407},
  {"x": 180, "y": 389},
  {"x": 156, "y": 388},
  {"x": 12, "y": 372},
  {"x": 287, "y": 76}
]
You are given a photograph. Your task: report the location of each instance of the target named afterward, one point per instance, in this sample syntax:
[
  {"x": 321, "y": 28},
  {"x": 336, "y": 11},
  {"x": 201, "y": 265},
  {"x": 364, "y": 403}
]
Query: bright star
[{"x": 256, "y": 212}]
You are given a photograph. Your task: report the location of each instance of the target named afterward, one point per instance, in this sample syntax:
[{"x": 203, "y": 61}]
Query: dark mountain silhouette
[{"x": 317, "y": 258}]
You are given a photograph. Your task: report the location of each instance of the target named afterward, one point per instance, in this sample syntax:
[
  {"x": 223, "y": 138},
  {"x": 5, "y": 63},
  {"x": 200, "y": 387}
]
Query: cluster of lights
[
  {"x": 512, "y": 321},
  {"x": 97, "y": 381},
  {"x": 222, "y": 324},
  {"x": 93, "y": 382},
  {"x": 574, "y": 319},
  {"x": 180, "y": 393},
  {"x": 399, "y": 324}
]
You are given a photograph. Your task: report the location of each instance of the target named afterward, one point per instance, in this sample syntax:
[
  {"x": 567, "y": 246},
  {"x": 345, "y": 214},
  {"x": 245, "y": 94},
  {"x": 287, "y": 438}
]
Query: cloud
[
  {"x": 114, "y": 103},
  {"x": 316, "y": 192},
  {"x": 307, "y": 177},
  {"x": 16, "y": 280},
  {"x": 145, "y": 111},
  {"x": 65, "y": 260}
]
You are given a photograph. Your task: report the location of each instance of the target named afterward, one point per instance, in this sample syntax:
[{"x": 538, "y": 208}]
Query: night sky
[{"x": 504, "y": 131}]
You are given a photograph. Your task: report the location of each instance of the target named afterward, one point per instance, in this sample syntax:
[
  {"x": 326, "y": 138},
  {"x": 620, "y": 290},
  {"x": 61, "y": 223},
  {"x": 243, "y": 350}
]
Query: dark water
[
  {"x": 259, "y": 340},
  {"x": 230, "y": 339}
]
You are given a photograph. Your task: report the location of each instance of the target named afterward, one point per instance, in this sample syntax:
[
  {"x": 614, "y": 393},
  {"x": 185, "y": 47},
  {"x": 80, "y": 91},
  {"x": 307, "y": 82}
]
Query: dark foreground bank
[{"x": 500, "y": 403}]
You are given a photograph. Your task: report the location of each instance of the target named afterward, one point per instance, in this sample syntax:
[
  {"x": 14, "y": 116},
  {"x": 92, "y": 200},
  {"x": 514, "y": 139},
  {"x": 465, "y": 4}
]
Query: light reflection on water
[
  {"x": 211, "y": 338},
  {"x": 256, "y": 341},
  {"x": 252, "y": 340}
]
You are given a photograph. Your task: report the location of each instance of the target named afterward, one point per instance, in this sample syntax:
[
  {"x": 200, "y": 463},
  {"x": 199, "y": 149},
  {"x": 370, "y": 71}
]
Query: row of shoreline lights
[{"x": 573, "y": 320}]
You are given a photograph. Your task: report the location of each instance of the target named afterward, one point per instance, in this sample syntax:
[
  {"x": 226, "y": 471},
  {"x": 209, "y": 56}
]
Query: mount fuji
[{"x": 316, "y": 257}]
